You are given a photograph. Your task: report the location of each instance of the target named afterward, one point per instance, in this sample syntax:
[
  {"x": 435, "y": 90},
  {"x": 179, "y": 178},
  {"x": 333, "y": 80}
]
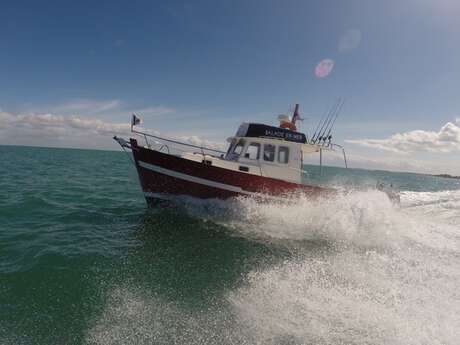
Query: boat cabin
[{"x": 267, "y": 151}]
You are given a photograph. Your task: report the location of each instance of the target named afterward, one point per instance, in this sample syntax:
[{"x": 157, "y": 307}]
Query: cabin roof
[
  {"x": 306, "y": 148},
  {"x": 259, "y": 130}
]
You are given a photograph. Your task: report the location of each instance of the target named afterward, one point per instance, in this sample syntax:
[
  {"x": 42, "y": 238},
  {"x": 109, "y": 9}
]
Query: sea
[{"x": 84, "y": 260}]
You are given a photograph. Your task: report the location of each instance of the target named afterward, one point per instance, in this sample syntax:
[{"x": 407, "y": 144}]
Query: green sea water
[{"x": 83, "y": 260}]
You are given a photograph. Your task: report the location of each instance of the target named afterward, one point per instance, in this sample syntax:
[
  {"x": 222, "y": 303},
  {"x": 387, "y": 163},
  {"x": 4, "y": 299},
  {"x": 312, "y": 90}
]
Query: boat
[{"x": 261, "y": 161}]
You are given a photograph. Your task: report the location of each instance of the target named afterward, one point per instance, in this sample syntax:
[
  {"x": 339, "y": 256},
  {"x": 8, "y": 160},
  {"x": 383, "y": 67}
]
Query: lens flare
[
  {"x": 349, "y": 41},
  {"x": 324, "y": 68}
]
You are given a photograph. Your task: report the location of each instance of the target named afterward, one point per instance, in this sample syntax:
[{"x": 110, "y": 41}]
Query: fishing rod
[
  {"x": 329, "y": 136},
  {"x": 324, "y": 137},
  {"x": 333, "y": 117},
  {"x": 321, "y": 124},
  {"x": 331, "y": 113},
  {"x": 318, "y": 125}
]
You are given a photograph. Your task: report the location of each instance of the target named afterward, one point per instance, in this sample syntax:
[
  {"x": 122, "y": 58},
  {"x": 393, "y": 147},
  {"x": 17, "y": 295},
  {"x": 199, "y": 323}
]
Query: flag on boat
[
  {"x": 296, "y": 116},
  {"x": 135, "y": 120}
]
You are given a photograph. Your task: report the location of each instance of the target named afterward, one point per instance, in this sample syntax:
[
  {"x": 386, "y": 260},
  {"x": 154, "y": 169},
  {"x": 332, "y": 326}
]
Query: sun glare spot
[
  {"x": 324, "y": 68},
  {"x": 349, "y": 41}
]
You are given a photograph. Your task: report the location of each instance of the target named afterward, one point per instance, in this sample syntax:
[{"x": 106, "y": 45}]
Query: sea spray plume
[
  {"x": 352, "y": 297},
  {"x": 362, "y": 217},
  {"x": 387, "y": 279},
  {"x": 357, "y": 217},
  {"x": 403, "y": 292},
  {"x": 136, "y": 316},
  {"x": 439, "y": 212}
]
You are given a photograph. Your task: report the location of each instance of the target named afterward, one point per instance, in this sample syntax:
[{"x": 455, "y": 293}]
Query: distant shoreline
[{"x": 447, "y": 176}]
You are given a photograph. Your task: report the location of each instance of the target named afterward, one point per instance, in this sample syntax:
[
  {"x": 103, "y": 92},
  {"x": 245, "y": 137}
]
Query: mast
[{"x": 296, "y": 115}]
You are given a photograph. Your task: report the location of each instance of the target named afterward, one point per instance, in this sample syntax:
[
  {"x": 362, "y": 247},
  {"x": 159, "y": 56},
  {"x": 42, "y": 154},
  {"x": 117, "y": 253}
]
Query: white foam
[
  {"x": 365, "y": 218},
  {"x": 391, "y": 277},
  {"x": 352, "y": 298},
  {"x": 134, "y": 316}
]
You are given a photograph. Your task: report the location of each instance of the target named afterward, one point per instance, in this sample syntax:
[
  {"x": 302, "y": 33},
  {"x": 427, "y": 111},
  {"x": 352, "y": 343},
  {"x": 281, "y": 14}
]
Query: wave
[{"x": 440, "y": 198}]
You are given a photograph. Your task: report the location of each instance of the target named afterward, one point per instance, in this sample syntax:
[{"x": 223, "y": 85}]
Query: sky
[{"x": 72, "y": 72}]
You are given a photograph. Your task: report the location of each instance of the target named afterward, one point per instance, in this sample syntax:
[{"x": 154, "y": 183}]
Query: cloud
[
  {"x": 98, "y": 126},
  {"x": 401, "y": 163},
  {"x": 90, "y": 107},
  {"x": 445, "y": 141},
  {"x": 199, "y": 141},
  {"x": 43, "y": 123},
  {"x": 153, "y": 111},
  {"x": 48, "y": 129},
  {"x": 83, "y": 106}
]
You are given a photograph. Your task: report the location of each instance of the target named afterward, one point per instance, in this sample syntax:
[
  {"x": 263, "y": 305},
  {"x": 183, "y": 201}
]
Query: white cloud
[
  {"x": 199, "y": 141},
  {"x": 91, "y": 107},
  {"x": 447, "y": 139},
  {"x": 404, "y": 163},
  {"x": 153, "y": 111},
  {"x": 14, "y": 125},
  {"x": 48, "y": 129},
  {"x": 98, "y": 126},
  {"x": 83, "y": 107}
]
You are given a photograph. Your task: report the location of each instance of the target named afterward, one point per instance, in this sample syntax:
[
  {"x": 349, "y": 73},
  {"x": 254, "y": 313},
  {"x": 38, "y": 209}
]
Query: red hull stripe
[{"x": 193, "y": 179}]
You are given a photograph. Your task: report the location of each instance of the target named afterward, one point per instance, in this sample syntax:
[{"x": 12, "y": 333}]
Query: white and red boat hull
[{"x": 164, "y": 174}]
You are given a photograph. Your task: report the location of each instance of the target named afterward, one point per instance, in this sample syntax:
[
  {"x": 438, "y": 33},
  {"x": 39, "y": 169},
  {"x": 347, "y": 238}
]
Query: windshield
[{"x": 235, "y": 149}]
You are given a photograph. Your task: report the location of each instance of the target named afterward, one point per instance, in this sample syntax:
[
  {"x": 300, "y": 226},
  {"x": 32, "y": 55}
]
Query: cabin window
[
  {"x": 253, "y": 151},
  {"x": 239, "y": 148},
  {"x": 283, "y": 154},
  {"x": 230, "y": 148},
  {"x": 269, "y": 152},
  {"x": 235, "y": 150}
]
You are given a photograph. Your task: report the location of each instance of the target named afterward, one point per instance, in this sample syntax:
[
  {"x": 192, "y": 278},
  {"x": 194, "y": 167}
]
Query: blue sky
[{"x": 200, "y": 68}]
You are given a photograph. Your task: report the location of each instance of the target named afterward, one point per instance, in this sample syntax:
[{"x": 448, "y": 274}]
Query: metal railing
[
  {"x": 331, "y": 146},
  {"x": 201, "y": 148},
  {"x": 343, "y": 152}
]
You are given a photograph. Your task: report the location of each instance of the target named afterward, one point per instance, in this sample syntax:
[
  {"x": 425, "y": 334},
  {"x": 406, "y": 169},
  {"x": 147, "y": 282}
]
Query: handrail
[
  {"x": 177, "y": 142},
  {"x": 202, "y": 148},
  {"x": 344, "y": 154}
]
